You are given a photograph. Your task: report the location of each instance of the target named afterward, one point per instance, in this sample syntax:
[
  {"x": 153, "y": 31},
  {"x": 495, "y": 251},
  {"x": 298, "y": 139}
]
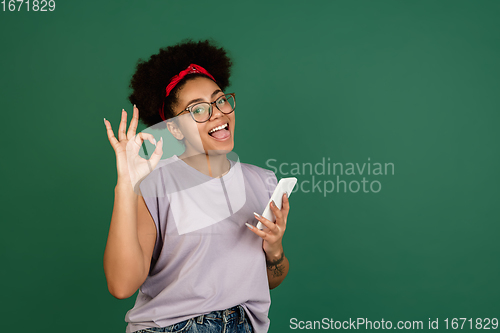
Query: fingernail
[
  {"x": 104, "y": 121},
  {"x": 134, "y": 106},
  {"x": 272, "y": 203},
  {"x": 285, "y": 194},
  {"x": 249, "y": 225},
  {"x": 161, "y": 139},
  {"x": 254, "y": 213},
  {"x": 154, "y": 141}
]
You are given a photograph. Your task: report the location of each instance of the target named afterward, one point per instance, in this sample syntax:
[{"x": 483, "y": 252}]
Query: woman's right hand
[{"x": 132, "y": 168}]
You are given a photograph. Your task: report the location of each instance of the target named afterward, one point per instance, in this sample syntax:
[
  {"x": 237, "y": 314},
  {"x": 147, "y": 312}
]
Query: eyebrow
[{"x": 201, "y": 99}]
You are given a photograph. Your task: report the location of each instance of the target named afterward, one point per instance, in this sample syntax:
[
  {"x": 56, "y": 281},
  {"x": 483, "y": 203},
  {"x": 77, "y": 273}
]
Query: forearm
[
  {"x": 277, "y": 268},
  {"x": 124, "y": 265}
]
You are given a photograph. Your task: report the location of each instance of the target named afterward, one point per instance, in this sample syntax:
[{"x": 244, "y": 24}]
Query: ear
[{"x": 173, "y": 127}]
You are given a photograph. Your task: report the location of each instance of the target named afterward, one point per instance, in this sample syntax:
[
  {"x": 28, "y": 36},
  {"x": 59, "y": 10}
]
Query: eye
[
  {"x": 199, "y": 109},
  {"x": 222, "y": 100}
]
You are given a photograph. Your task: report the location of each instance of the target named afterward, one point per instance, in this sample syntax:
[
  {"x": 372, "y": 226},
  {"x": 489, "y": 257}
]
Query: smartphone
[{"x": 284, "y": 185}]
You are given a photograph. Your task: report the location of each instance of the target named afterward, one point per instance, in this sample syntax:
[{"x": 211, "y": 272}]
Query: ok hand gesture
[{"x": 130, "y": 166}]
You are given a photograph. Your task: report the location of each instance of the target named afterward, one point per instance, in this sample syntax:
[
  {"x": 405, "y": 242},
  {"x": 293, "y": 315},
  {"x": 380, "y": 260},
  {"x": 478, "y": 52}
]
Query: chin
[{"x": 221, "y": 149}]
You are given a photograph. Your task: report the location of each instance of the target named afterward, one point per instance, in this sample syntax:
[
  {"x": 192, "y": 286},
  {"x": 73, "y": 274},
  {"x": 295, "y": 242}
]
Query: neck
[{"x": 211, "y": 165}]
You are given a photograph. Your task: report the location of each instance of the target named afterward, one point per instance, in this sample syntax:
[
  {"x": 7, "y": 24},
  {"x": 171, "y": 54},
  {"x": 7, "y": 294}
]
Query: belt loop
[
  {"x": 242, "y": 314},
  {"x": 199, "y": 320}
]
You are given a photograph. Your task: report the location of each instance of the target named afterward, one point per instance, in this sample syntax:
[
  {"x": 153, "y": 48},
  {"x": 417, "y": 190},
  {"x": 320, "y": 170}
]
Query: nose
[{"x": 216, "y": 113}]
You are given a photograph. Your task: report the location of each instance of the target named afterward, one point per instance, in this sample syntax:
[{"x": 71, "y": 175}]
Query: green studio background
[{"x": 412, "y": 83}]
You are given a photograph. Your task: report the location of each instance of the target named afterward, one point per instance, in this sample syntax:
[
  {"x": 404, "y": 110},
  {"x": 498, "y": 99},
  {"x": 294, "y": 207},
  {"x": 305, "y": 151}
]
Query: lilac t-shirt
[{"x": 205, "y": 258}]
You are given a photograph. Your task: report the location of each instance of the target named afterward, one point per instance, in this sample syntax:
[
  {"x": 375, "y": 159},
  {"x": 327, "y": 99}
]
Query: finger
[
  {"x": 133, "y": 123},
  {"x": 285, "y": 207},
  {"x": 111, "y": 134},
  {"x": 257, "y": 231},
  {"x": 275, "y": 211},
  {"x": 123, "y": 126},
  {"x": 134, "y": 145},
  {"x": 280, "y": 218},
  {"x": 158, "y": 152},
  {"x": 140, "y": 137},
  {"x": 271, "y": 225},
  {"x": 147, "y": 136}
]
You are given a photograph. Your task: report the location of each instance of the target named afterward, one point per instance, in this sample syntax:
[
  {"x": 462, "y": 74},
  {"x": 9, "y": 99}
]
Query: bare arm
[
  {"x": 277, "y": 269},
  {"x": 132, "y": 232},
  {"x": 131, "y": 240},
  {"x": 276, "y": 262}
]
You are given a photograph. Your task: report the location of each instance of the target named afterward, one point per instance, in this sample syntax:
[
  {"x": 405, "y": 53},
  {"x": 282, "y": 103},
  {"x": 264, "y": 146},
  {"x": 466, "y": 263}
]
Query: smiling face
[{"x": 200, "y": 138}]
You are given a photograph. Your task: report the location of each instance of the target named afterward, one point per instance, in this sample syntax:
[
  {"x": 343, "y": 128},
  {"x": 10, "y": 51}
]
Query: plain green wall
[{"x": 413, "y": 83}]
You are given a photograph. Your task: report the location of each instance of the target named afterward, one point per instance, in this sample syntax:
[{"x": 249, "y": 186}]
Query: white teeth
[{"x": 218, "y": 128}]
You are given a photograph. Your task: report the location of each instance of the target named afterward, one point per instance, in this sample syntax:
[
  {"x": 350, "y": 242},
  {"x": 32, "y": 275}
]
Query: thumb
[{"x": 157, "y": 153}]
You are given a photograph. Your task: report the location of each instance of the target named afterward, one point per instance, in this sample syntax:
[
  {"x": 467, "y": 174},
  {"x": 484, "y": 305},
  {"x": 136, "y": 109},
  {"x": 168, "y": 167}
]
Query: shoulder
[
  {"x": 256, "y": 173},
  {"x": 150, "y": 184},
  {"x": 164, "y": 166},
  {"x": 256, "y": 170}
]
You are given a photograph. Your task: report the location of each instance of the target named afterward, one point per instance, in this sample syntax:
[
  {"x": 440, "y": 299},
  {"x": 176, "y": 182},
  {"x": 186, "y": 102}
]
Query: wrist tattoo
[{"x": 275, "y": 267}]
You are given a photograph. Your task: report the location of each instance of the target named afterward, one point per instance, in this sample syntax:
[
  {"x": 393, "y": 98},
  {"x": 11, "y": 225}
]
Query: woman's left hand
[{"x": 273, "y": 235}]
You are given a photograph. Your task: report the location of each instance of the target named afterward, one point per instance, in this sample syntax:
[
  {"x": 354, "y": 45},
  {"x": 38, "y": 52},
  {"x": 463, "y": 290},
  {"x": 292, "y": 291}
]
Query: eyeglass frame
[{"x": 189, "y": 108}]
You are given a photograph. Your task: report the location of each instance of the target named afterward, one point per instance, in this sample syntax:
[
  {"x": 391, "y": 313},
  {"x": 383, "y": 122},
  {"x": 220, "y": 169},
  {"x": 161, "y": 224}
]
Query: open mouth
[{"x": 220, "y": 132}]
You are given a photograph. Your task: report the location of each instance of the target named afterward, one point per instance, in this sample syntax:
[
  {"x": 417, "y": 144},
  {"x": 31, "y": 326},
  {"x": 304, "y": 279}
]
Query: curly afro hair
[{"x": 152, "y": 76}]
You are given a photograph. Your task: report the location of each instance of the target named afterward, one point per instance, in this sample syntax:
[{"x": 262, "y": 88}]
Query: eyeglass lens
[{"x": 201, "y": 111}]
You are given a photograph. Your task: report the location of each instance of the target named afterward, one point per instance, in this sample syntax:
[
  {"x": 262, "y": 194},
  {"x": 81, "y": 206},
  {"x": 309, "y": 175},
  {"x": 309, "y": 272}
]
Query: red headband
[{"x": 192, "y": 68}]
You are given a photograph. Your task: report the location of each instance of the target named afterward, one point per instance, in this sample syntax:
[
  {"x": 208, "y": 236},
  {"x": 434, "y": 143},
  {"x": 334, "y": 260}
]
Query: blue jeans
[{"x": 232, "y": 320}]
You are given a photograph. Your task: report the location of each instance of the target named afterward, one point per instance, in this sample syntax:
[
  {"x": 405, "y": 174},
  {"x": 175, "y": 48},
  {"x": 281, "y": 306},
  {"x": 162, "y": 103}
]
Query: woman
[{"x": 184, "y": 234}]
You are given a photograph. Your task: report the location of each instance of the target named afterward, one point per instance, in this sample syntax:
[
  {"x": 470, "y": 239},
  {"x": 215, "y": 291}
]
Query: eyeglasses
[{"x": 202, "y": 112}]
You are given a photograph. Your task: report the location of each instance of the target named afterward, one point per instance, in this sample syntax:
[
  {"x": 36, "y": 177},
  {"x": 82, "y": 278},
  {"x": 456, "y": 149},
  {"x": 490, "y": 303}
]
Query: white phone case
[{"x": 284, "y": 185}]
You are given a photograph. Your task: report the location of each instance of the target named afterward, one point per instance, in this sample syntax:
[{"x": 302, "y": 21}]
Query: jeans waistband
[{"x": 237, "y": 312}]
